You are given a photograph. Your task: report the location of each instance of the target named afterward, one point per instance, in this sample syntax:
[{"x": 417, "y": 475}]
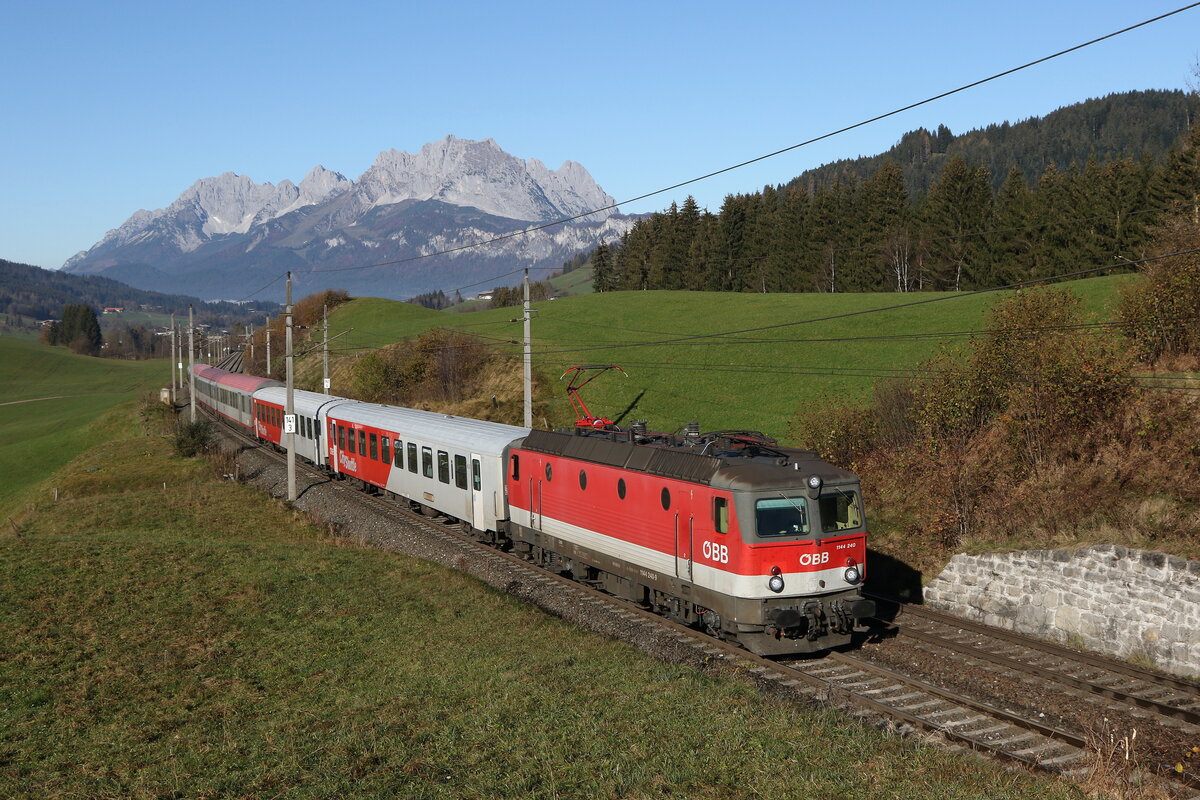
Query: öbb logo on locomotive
[{"x": 622, "y": 509}]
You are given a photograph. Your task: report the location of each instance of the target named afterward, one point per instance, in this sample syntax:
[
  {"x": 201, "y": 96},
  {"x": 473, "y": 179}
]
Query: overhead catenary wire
[{"x": 561, "y": 221}]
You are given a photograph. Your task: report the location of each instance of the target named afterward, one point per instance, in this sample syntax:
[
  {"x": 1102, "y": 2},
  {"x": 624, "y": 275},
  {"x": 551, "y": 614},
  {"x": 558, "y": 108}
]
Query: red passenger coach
[
  {"x": 756, "y": 542},
  {"x": 227, "y": 393}
]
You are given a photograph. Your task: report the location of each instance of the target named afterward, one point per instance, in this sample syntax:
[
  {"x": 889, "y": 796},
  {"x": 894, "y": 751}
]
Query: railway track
[
  {"x": 1167, "y": 696},
  {"x": 852, "y": 682}
]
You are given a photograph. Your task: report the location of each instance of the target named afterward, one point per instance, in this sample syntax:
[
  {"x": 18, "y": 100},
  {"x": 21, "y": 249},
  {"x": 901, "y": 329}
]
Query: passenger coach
[
  {"x": 228, "y": 393},
  {"x": 310, "y": 408},
  {"x": 447, "y": 464}
]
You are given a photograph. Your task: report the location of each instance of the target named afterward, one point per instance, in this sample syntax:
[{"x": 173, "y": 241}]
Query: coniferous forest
[{"x": 933, "y": 214}]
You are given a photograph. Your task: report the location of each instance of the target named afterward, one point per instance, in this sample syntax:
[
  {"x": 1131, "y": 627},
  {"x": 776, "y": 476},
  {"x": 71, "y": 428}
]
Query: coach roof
[{"x": 431, "y": 428}]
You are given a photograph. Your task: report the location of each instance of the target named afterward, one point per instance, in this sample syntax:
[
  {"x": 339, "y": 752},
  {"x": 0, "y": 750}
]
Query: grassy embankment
[
  {"x": 200, "y": 642},
  {"x": 39, "y": 436},
  {"x": 755, "y": 380}
]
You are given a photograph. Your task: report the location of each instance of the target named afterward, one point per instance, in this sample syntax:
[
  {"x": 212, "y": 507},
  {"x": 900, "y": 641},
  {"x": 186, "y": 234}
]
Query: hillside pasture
[
  {"x": 806, "y": 347},
  {"x": 51, "y": 403}
]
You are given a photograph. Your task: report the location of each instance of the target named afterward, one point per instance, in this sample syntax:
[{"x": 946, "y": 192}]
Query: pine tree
[
  {"x": 1012, "y": 240},
  {"x": 888, "y": 236},
  {"x": 956, "y": 212},
  {"x": 603, "y": 277}
]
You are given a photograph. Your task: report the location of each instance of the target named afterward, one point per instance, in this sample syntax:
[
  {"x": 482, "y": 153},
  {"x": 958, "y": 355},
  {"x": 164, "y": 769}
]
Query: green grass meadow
[
  {"x": 67, "y": 395},
  {"x": 756, "y": 380},
  {"x": 199, "y": 641}
]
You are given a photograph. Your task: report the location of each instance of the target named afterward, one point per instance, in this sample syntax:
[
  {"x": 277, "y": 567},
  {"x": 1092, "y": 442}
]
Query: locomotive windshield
[
  {"x": 781, "y": 516},
  {"x": 840, "y": 510}
]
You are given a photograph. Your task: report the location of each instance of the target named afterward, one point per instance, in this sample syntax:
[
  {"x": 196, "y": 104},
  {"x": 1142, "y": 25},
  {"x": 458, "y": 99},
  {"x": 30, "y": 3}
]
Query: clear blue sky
[{"x": 111, "y": 107}]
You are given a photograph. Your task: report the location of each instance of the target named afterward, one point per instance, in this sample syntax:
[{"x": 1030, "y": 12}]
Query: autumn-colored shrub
[{"x": 1159, "y": 310}]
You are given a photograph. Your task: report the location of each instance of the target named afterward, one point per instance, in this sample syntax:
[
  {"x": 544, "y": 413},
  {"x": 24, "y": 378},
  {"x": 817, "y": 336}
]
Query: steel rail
[
  {"x": 1163, "y": 709},
  {"x": 1092, "y": 660}
]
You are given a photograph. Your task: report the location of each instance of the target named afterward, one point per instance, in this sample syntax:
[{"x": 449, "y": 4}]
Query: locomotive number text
[{"x": 716, "y": 552}]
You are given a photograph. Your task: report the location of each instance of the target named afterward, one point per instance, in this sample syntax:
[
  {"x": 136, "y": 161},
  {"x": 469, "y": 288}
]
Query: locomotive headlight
[
  {"x": 814, "y": 486},
  {"x": 852, "y": 575},
  {"x": 775, "y": 584}
]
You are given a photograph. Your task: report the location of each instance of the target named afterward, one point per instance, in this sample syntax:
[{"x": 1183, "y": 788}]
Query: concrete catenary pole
[
  {"x": 172, "y": 359},
  {"x": 267, "y": 372},
  {"x": 291, "y": 407},
  {"x": 325, "y": 351},
  {"x": 191, "y": 364},
  {"x": 528, "y": 360}
]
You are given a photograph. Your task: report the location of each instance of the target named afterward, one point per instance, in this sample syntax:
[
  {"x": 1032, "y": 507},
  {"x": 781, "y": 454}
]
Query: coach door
[
  {"x": 478, "y": 508},
  {"x": 334, "y": 462},
  {"x": 683, "y": 547}
]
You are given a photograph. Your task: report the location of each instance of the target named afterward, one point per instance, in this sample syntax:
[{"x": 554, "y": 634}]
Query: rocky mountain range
[{"x": 226, "y": 235}]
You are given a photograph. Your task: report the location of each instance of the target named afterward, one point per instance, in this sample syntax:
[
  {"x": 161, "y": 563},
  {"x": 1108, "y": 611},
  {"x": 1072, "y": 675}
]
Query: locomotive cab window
[
  {"x": 515, "y": 462},
  {"x": 721, "y": 515},
  {"x": 840, "y": 511},
  {"x": 781, "y": 516}
]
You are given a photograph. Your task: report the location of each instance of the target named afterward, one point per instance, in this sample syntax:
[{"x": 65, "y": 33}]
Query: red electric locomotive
[{"x": 728, "y": 530}]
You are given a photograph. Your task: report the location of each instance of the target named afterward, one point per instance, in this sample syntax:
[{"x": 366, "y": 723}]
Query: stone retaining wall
[{"x": 1109, "y": 599}]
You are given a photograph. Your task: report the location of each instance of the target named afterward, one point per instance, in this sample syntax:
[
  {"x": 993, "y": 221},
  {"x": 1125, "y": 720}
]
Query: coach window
[
  {"x": 460, "y": 471},
  {"x": 362, "y": 443},
  {"x": 721, "y": 515},
  {"x": 621, "y": 488},
  {"x": 385, "y": 453},
  {"x": 516, "y": 467},
  {"x": 341, "y": 437},
  {"x": 582, "y": 479},
  {"x": 374, "y": 447},
  {"x": 666, "y": 498},
  {"x": 427, "y": 462},
  {"x": 412, "y": 457},
  {"x": 443, "y": 466},
  {"x": 475, "y": 480},
  {"x": 398, "y": 449}
]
